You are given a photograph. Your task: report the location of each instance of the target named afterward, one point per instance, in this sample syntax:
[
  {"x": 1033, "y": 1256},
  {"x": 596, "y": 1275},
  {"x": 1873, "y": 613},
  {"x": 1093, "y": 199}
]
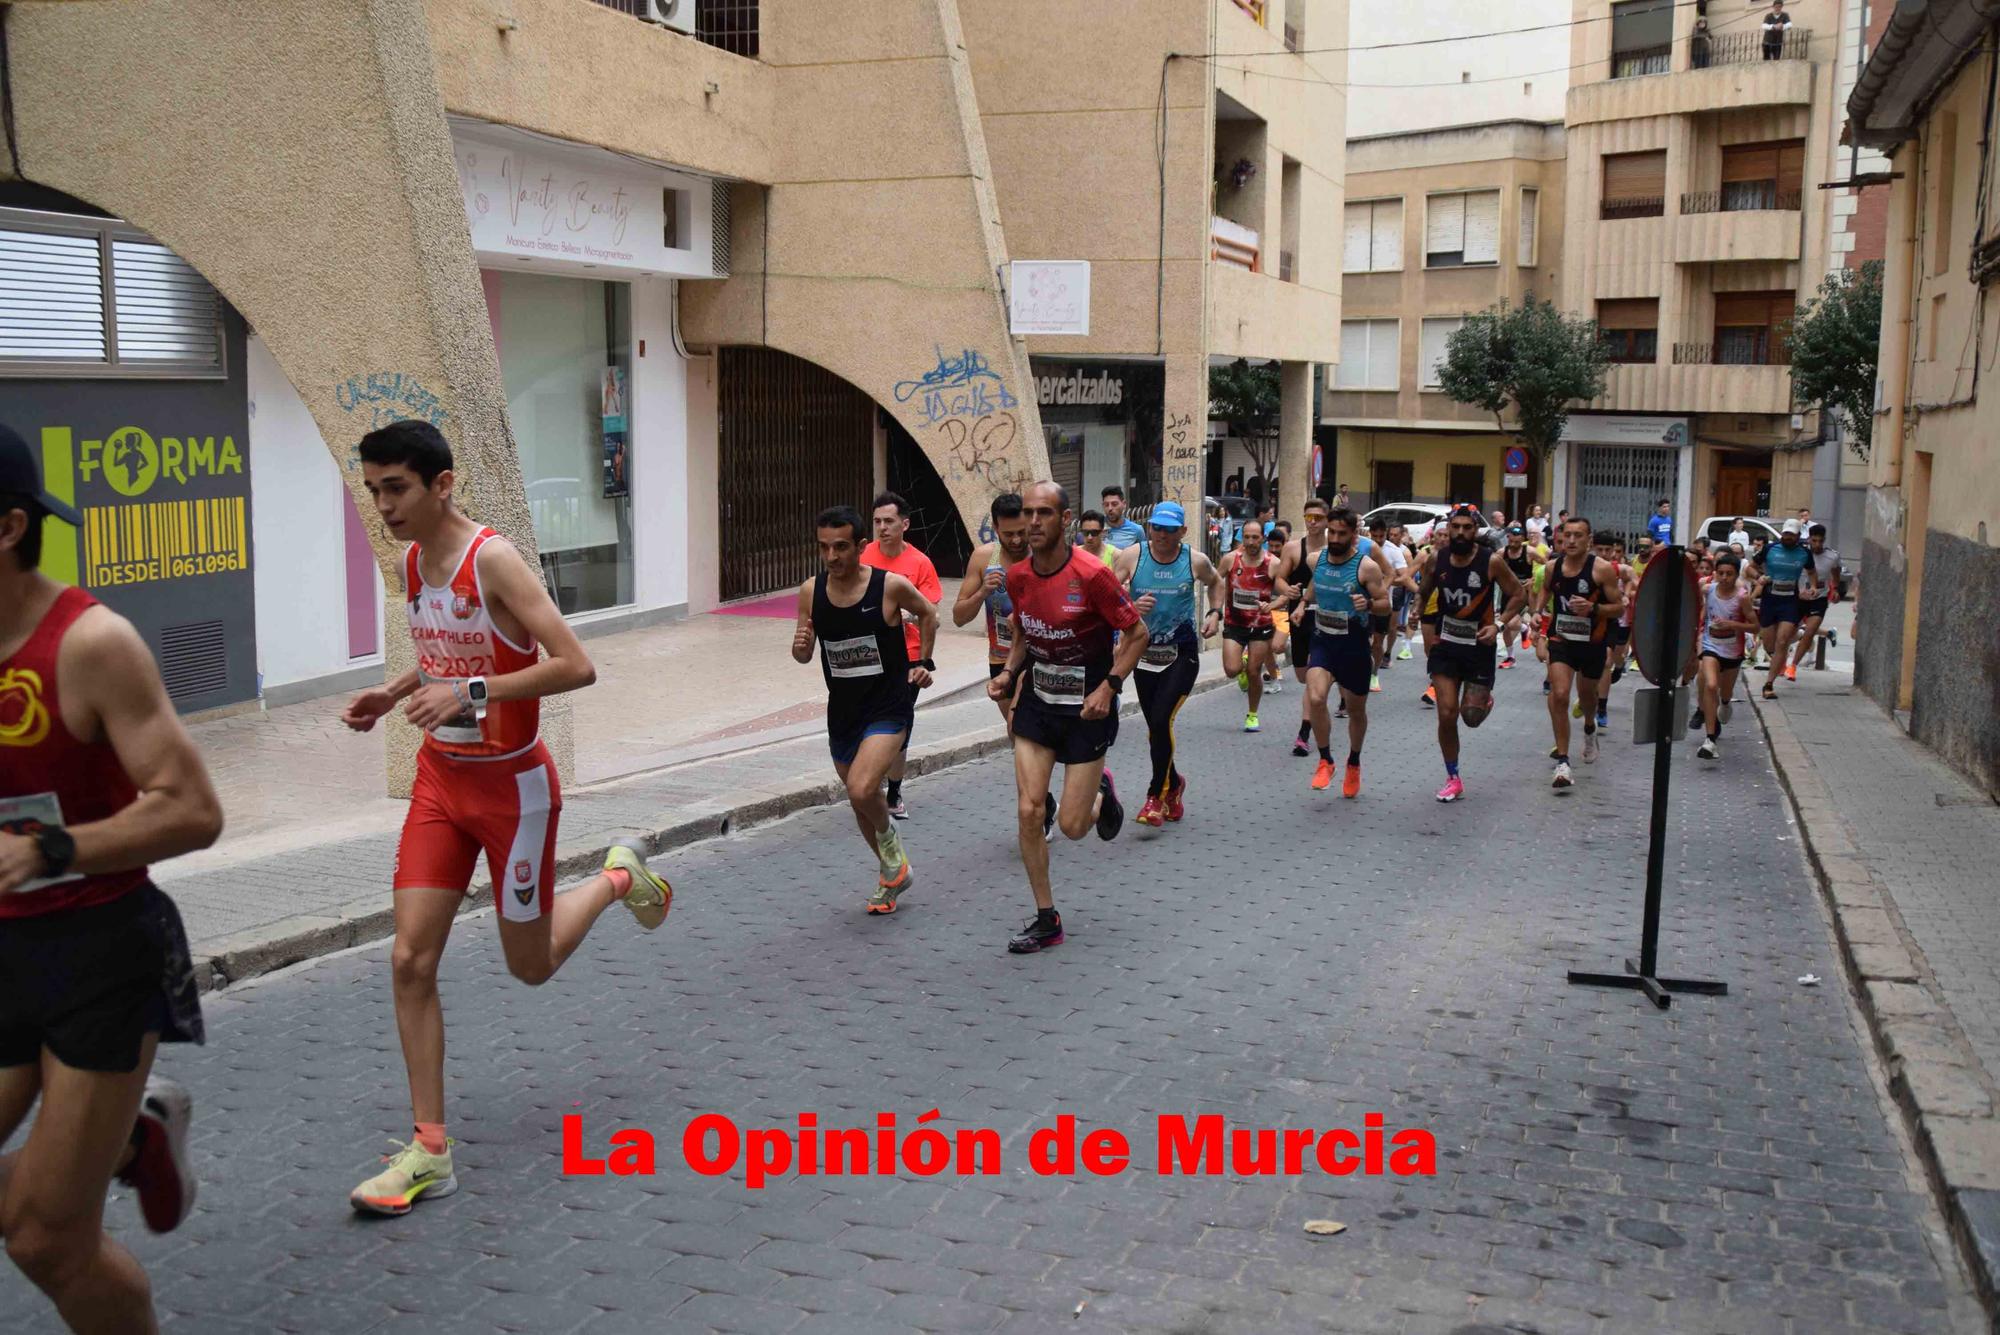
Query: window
[
  {"x": 1941, "y": 163},
  {"x": 1395, "y": 480},
  {"x": 1630, "y": 329},
  {"x": 1369, "y": 353},
  {"x": 1461, "y": 229},
  {"x": 1374, "y": 236},
  {"x": 58, "y": 316},
  {"x": 1642, "y": 37},
  {"x": 1436, "y": 334},
  {"x": 1752, "y": 328},
  {"x": 1635, "y": 184},
  {"x": 1531, "y": 203},
  {"x": 1762, "y": 176}
]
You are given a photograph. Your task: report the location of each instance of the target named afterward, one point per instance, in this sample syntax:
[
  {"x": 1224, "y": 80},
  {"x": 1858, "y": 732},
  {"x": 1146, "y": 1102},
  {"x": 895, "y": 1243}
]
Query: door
[
  {"x": 1395, "y": 480},
  {"x": 1737, "y": 488},
  {"x": 1618, "y": 486},
  {"x": 794, "y": 439},
  {"x": 1466, "y": 483}
]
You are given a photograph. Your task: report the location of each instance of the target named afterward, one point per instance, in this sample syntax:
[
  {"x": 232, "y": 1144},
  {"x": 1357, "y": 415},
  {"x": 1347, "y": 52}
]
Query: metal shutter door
[
  {"x": 1352, "y": 372},
  {"x": 1635, "y": 175},
  {"x": 1482, "y": 227},
  {"x": 51, "y": 298}
]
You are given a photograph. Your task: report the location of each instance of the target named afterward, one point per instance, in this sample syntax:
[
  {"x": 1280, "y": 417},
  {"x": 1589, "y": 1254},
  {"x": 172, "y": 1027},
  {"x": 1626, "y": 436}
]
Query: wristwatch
[
  {"x": 1115, "y": 682},
  {"x": 475, "y": 690},
  {"x": 57, "y": 848},
  {"x": 928, "y": 665}
]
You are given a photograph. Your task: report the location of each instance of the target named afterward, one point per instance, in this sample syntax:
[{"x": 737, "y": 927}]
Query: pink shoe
[{"x": 1452, "y": 790}]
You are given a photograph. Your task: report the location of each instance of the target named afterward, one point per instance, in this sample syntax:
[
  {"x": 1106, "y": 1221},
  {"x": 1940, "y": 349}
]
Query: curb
[
  {"x": 1948, "y": 1105},
  {"x": 266, "y": 949}
]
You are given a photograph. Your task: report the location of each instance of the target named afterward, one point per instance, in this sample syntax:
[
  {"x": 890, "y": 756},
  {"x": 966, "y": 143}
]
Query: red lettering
[
  {"x": 574, "y": 1164},
  {"x": 1197, "y": 1153},
  {"x": 632, "y": 1152},
  {"x": 769, "y": 1153},
  {"x": 1106, "y": 1152},
  {"x": 1415, "y": 1154},
  {"x": 1371, "y": 1143},
  {"x": 979, "y": 1152},
  {"x": 885, "y": 1144},
  {"x": 1295, "y": 1151},
  {"x": 1330, "y": 1156},
  {"x": 694, "y": 1145},
  {"x": 1052, "y": 1149},
  {"x": 808, "y": 1143},
  {"x": 1253, "y": 1152}
]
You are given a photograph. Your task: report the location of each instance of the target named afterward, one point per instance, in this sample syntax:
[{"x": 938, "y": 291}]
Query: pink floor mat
[{"x": 785, "y": 605}]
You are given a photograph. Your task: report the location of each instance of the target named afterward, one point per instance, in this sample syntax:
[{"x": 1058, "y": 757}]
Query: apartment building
[
  {"x": 1694, "y": 229},
  {"x": 671, "y": 274},
  {"x": 1439, "y": 223}
]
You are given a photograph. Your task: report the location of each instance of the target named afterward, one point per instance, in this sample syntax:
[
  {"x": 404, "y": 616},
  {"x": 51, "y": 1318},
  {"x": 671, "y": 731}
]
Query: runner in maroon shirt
[{"x": 1067, "y": 603}]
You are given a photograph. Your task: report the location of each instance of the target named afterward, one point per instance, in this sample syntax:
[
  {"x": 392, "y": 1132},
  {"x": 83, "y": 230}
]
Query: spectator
[
  {"x": 1340, "y": 501},
  {"x": 1661, "y": 525},
  {"x": 1698, "y": 46},
  {"x": 1776, "y": 24}
]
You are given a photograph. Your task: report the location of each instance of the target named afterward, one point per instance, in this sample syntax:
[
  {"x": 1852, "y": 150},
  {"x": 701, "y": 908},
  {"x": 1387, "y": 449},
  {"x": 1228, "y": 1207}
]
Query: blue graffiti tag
[
  {"x": 962, "y": 386},
  {"x": 390, "y": 396}
]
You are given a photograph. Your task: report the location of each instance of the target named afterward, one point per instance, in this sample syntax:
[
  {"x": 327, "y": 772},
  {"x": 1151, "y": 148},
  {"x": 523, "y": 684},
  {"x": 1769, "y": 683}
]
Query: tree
[
  {"x": 1246, "y": 397},
  {"x": 1834, "y": 341},
  {"x": 1533, "y": 358}
]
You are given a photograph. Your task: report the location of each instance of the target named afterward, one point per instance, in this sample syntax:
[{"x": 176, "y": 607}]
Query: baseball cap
[
  {"x": 21, "y": 474},
  {"x": 1168, "y": 514},
  {"x": 1791, "y": 526}
]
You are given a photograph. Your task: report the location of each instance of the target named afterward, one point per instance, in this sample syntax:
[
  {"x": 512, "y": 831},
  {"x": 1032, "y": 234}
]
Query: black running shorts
[
  {"x": 1586, "y": 660},
  {"x": 1249, "y": 634},
  {"x": 1075, "y": 740},
  {"x": 1471, "y": 664}
]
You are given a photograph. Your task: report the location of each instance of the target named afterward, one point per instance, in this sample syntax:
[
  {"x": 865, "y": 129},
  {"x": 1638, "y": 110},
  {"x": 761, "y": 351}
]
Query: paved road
[{"x": 1284, "y": 959}]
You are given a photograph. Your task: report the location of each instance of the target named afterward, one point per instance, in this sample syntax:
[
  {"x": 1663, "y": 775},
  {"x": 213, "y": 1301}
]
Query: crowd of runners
[{"x": 102, "y": 779}]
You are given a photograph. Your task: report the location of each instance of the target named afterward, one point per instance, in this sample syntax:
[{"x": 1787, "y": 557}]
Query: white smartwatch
[{"x": 475, "y": 690}]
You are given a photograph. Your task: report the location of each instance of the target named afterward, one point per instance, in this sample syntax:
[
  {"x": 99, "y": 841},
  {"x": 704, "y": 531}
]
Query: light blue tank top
[
  {"x": 1784, "y": 565},
  {"x": 1172, "y": 587},
  {"x": 1334, "y": 587}
]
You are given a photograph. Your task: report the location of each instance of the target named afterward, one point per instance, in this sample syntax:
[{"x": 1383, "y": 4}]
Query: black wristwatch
[
  {"x": 1115, "y": 682},
  {"x": 926, "y": 664},
  {"x": 58, "y": 849}
]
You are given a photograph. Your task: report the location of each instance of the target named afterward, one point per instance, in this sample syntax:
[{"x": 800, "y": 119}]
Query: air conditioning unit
[{"x": 675, "y": 14}]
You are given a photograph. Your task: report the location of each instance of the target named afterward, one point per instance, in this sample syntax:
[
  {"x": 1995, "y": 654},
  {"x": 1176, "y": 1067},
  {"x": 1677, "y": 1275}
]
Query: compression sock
[
  {"x": 895, "y": 791},
  {"x": 1451, "y": 769},
  {"x": 1354, "y": 758},
  {"x": 1326, "y": 754},
  {"x": 1305, "y": 729}
]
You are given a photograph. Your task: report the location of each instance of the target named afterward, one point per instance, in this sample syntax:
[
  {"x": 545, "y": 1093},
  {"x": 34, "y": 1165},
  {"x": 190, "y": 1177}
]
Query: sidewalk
[{"x": 1906, "y": 852}]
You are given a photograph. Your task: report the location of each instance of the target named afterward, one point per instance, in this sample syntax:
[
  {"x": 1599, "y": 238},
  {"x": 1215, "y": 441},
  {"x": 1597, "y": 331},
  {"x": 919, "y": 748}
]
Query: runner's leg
[
  {"x": 1034, "y": 764},
  {"x": 423, "y": 922},
  {"x": 1475, "y": 704},
  {"x": 1562, "y": 678},
  {"x": 1447, "y": 711},
  {"x": 873, "y": 760},
  {"x": 1319, "y": 684},
  {"x": 1260, "y": 658}
]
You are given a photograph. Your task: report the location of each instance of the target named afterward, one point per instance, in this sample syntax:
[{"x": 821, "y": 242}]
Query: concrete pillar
[
  {"x": 1295, "y": 383},
  {"x": 1184, "y": 435}
]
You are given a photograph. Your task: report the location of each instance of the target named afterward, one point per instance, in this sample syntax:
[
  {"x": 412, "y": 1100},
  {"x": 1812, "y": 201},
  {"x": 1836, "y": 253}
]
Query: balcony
[
  {"x": 1746, "y": 347},
  {"x": 1710, "y": 230},
  {"x": 1747, "y": 48},
  {"x": 1744, "y": 197},
  {"x": 728, "y": 25},
  {"x": 1234, "y": 244},
  {"x": 1650, "y": 206},
  {"x": 1693, "y": 90},
  {"x": 1642, "y": 60}
]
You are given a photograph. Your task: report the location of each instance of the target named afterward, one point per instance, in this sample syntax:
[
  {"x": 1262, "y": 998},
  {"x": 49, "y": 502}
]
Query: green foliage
[
  {"x": 1532, "y": 358},
  {"x": 1834, "y": 341},
  {"x": 1246, "y": 397}
]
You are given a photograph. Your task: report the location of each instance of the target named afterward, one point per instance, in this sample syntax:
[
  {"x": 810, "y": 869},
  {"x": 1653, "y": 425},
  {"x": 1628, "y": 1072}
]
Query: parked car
[
  {"x": 1419, "y": 517},
  {"x": 1716, "y": 529}
]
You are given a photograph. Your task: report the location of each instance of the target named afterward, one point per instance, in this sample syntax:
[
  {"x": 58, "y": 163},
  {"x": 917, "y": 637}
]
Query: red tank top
[
  {"x": 456, "y": 638},
  {"x": 1248, "y": 585},
  {"x": 47, "y": 776}
]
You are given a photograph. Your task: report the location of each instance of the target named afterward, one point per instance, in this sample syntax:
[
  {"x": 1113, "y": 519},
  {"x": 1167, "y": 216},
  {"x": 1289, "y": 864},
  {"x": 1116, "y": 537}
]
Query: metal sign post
[{"x": 1663, "y": 636}]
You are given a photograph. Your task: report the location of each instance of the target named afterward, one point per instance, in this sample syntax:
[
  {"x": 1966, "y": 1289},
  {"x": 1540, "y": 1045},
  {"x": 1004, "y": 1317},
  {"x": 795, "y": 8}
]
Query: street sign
[
  {"x": 1514, "y": 481},
  {"x": 1662, "y": 649},
  {"x": 1318, "y": 466},
  {"x": 1516, "y": 459}
]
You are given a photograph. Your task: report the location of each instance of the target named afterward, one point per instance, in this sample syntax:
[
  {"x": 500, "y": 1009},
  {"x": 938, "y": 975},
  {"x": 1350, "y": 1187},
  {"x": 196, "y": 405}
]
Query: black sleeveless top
[
  {"x": 1465, "y": 596},
  {"x": 864, "y": 658},
  {"x": 1561, "y": 587}
]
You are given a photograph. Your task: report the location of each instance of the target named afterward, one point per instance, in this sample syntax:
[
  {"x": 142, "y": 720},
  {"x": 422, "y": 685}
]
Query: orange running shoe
[
  {"x": 1175, "y": 807},
  {"x": 1323, "y": 776},
  {"x": 1153, "y": 812},
  {"x": 1350, "y": 783},
  {"x": 1791, "y": 672}
]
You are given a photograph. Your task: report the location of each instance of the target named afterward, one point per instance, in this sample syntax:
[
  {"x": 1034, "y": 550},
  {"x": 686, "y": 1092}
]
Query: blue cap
[{"x": 1168, "y": 514}]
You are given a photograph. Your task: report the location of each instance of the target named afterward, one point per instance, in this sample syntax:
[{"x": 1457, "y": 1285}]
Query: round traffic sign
[
  {"x": 1516, "y": 459},
  {"x": 1318, "y": 465},
  {"x": 1662, "y": 649}
]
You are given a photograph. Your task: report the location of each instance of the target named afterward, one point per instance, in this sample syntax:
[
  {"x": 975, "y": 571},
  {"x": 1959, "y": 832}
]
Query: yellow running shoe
[
  {"x": 649, "y": 897},
  {"x": 414, "y": 1173}
]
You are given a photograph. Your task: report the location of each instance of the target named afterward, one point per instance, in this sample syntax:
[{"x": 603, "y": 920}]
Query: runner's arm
[
  {"x": 905, "y": 598},
  {"x": 1209, "y": 578},
  {"x": 972, "y": 589},
  {"x": 802, "y": 628},
  {"x": 1279, "y": 584},
  {"x": 1612, "y": 585},
  {"x": 1376, "y": 581},
  {"x": 1517, "y": 592},
  {"x": 511, "y": 585}
]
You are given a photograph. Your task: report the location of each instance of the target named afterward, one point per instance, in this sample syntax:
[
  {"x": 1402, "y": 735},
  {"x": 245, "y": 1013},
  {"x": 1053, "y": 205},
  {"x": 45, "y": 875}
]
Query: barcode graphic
[{"x": 130, "y": 544}]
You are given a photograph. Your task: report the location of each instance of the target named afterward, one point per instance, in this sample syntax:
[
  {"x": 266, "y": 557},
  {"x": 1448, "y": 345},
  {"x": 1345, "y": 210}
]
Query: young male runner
[
  {"x": 97, "y": 779},
  {"x": 985, "y": 586},
  {"x": 1247, "y": 629},
  {"x": 1161, "y": 574},
  {"x": 857, "y": 615},
  {"x": 1396, "y": 575},
  {"x": 1462, "y": 577},
  {"x": 1120, "y": 531},
  {"x": 1787, "y": 568},
  {"x": 1727, "y": 619},
  {"x": 1090, "y": 528},
  {"x": 1522, "y": 562},
  {"x": 1298, "y": 556},
  {"x": 481, "y": 619},
  {"x": 1066, "y": 605},
  {"x": 1584, "y": 594},
  {"x": 892, "y": 553},
  {"x": 1617, "y": 635},
  {"x": 1812, "y": 611},
  {"x": 1349, "y": 590}
]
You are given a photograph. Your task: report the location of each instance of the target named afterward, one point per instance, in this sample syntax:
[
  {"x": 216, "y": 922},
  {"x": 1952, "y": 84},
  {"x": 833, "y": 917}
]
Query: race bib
[
  {"x": 1159, "y": 657},
  {"x": 1573, "y": 627},
  {"x": 1331, "y": 622},
  {"x": 1243, "y": 600},
  {"x": 27, "y": 814},
  {"x": 1059, "y": 684},
  {"x": 462, "y": 730},
  {"x": 1003, "y": 632},
  {"x": 1784, "y": 588},
  {"x": 1459, "y": 630},
  {"x": 858, "y": 657}
]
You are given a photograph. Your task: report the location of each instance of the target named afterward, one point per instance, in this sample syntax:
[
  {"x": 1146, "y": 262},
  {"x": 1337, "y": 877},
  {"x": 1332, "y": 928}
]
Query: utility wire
[{"x": 1438, "y": 41}]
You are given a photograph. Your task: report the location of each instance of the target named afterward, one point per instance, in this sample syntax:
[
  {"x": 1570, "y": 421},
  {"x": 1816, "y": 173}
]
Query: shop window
[
  {"x": 1436, "y": 338},
  {"x": 1462, "y": 229},
  {"x": 1630, "y": 330},
  {"x": 565, "y": 359},
  {"x": 1374, "y": 242},
  {"x": 1369, "y": 352},
  {"x": 1635, "y": 185}
]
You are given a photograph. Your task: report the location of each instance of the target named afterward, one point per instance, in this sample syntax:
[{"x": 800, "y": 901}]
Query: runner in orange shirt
[{"x": 889, "y": 552}]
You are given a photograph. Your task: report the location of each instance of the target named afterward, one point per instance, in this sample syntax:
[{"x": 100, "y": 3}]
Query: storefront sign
[
  {"x": 1049, "y": 297},
  {"x": 1080, "y": 386},
  {"x": 1596, "y": 429}
]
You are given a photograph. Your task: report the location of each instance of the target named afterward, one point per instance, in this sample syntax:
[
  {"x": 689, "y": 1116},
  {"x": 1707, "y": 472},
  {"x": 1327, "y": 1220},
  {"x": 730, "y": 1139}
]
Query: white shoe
[
  {"x": 1707, "y": 749},
  {"x": 1562, "y": 777},
  {"x": 1590, "y": 748}
]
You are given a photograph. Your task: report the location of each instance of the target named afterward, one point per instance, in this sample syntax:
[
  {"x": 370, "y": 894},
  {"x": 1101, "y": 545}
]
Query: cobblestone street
[{"x": 1283, "y": 958}]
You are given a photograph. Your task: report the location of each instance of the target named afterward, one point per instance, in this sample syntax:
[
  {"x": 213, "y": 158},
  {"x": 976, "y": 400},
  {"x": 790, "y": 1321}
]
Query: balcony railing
[
  {"x": 1744, "y": 48},
  {"x": 1749, "y": 348},
  {"x": 1234, "y": 244},
  {"x": 1742, "y": 197},
  {"x": 1638, "y": 207},
  {"x": 728, "y": 25},
  {"x": 1639, "y": 60}
]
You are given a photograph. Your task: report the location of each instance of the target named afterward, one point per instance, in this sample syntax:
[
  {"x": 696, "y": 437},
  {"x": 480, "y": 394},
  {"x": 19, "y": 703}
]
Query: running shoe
[
  {"x": 1176, "y": 808},
  {"x": 1590, "y": 748},
  {"x": 1617, "y": 674},
  {"x": 890, "y": 890},
  {"x": 1603, "y": 717},
  {"x": 1250, "y": 723},
  {"x": 1323, "y": 776},
  {"x": 649, "y": 897},
  {"x": 1110, "y": 815},
  {"x": 1791, "y": 672},
  {"x": 1707, "y": 750},
  {"x": 1375, "y": 683},
  {"x": 1452, "y": 790},
  {"x": 1042, "y": 932},
  {"x": 1243, "y": 681},
  {"x": 1508, "y": 661},
  {"x": 1300, "y": 747},
  {"x": 1562, "y": 777},
  {"x": 413, "y": 1174},
  {"x": 1403, "y": 654},
  {"x": 1048, "y": 815},
  {"x": 1554, "y": 752},
  {"x": 1576, "y": 710},
  {"x": 1273, "y": 686},
  {"x": 1430, "y": 697},
  {"x": 899, "y": 809},
  {"x": 1545, "y": 686},
  {"x": 1152, "y": 812},
  {"x": 1350, "y": 783},
  {"x": 1340, "y": 710},
  {"x": 1695, "y": 721},
  {"x": 159, "y": 1169},
  {"x": 1832, "y": 639},
  {"x": 1722, "y": 712}
]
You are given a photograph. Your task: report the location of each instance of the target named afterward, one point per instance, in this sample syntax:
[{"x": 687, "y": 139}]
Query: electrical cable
[
  {"x": 7, "y": 98},
  {"x": 1440, "y": 41}
]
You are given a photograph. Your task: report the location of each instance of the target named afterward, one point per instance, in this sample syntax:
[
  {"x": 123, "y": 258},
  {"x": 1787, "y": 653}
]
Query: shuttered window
[
  {"x": 1630, "y": 329},
  {"x": 1436, "y": 335},
  {"x": 1461, "y": 229},
  {"x": 58, "y": 316},
  {"x": 1369, "y": 352},
  {"x": 1752, "y": 328},
  {"x": 1374, "y": 240},
  {"x": 1763, "y": 176},
  {"x": 1531, "y": 202},
  {"x": 1635, "y": 184}
]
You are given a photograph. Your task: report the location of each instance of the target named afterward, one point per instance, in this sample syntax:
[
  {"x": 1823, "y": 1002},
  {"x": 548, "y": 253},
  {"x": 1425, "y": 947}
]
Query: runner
[
  {"x": 1090, "y": 535},
  {"x": 985, "y": 587},
  {"x": 1277, "y": 537},
  {"x": 1462, "y": 577},
  {"x": 1399, "y": 597},
  {"x": 1396, "y": 575},
  {"x": 858, "y": 615},
  {"x": 1618, "y": 635},
  {"x": 1120, "y": 531},
  {"x": 1298, "y": 555},
  {"x": 1349, "y": 590},
  {"x": 1727, "y": 619},
  {"x": 1246, "y": 625},
  {"x": 1161, "y": 574},
  {"x": 100, "y": 780},
  {"x": 892, "y": 553},
  {"x": 1826, "y": 575},
  {"x": 480, "y": 618},
  {"x": 1584, "y": 594},
  {"x": 1522, "y": 562},
  {"x": 1787, "y": 570},
  {"x": 1066, "y": 604}
]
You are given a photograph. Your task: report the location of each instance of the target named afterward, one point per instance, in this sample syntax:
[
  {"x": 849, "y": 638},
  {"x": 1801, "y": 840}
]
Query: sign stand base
[{"x": 1656, "y": 989}]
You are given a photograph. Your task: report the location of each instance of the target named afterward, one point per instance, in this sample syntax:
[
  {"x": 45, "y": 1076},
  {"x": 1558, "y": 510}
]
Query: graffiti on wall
[
  {"x": 961, "y": 386},
  {"x": 382, "y": 397},
  {"x": 1180, "y": 473}
]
